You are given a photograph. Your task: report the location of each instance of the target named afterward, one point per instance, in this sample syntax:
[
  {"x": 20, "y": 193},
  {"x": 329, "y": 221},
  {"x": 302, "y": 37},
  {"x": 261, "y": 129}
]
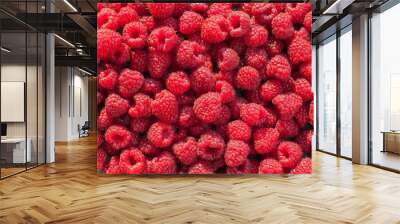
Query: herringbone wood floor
[{"x": 70, "y": 191}]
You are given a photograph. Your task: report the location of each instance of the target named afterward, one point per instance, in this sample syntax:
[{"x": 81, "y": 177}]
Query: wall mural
[{"x": 197, "y": 88}]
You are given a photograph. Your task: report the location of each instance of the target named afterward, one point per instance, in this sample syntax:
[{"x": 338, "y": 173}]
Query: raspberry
[
  {"x": 139, "y": 61},
  {"x": 270, "y": 89},
  {"x": 132, "y": 161},
  {"x": 271, "y": 117},
  {"x": 190, "y": 54},
  {"x": 161, "y": 10},
  {"x": 253, "y": 96},
  {"x": 169, "y": 22},
  {"x": 140, "y": 125},
  {"x": 190, "y": 22},
  {"x": 270, "y": 166},
  {"x": 307, "y": 23},
  {"x": 266, "y": 140},
  {"x": 108, "y": 79},
  {"x": 211, "y": 146},
  {"x": 247, "y": 78},
  {"x": 135, "y": 34},
  {"x": 178, "y": 83},
  {"x": 256, "y": 57},
  {"x": 311, "y": 112},
  {"x": 186, "y": 151},
  {"x": 104, "y": 120},
  {"x": 282, "y": 26},
  {"x": 249, "y": 166},
  {"x": 306, "y": 71},
  {"x": 239, "y": 23},
  {"x": 129, "y": 82},
  {"x": 289, "y": 154},
  {"x": 238, "y": 45},
  {"x": 304, "y": 167},
  {"x": 236, "y": 153},
  {"x": 118, "y": 137},
  {"x": 224, "y": 116},
  {"x": 219, "y": 9},
  {"x": 226, "y": 91},
  {"x": 302, "y": 33},
  {"x": 302, "y": 116},
  {"x": 198, "y": 130},
  {"x": 199, "y": 7},
  {"x": 279, "y": 67},
  {"x": 256, "y": 37},
  {"x": 299, "y": 51},
  {"x": 141, "y": 106},
  {"x": 140, "y": 8},
  {"x": 108, "y": 42},
  {"x": 159, "y": 63},
  {"x": 215, "y": 29},
  {"x": 101, "y": 159},
  {"x": 100, "y": 98},
  {"x": 151, "y": 86},
  {"x": 147, "y": 148},
  {"x": 113, "y": 166},
  {"x": 303, "y": 88},
  {"x": 202, "y": 80},
  {"x": 180, "y": 135},
  {"x": 287, "y": 128},
  {"x": 225, "y": 76},
  {"x": 304, "y": 139},
  {"x": 208, "y": 107},
  {"x": 100, "y": 139},
  {"x": 201, "y": 167},
  {"x": 264, "y": 13},
  {"x": 235, "y": 106},
  {"x": 186, "y": 117},
  {"x": 148, "y": 21},
  {"x": 238, "y": 130},
  {"x": 287, "y": 105},
  {"x": 253, "y": 114},
  {"x": 160, "y": 134},
  {"x": 165, "y": 107},
  {"x": 274, "y": 47},
  {"x": 297, "y": 11},
  {"x": 116, "y": 106},
  {"x": 181, "y": 8},
  {"x": 114, "y": 6},
  {"x": 187, "y": 99},
  {"x": 162, "y": 164},
  {"x": 227, "y": 59},
  {"x": 162, "y": 39},
  {"x": 122, "y": 55},
  {"x": 107, "y": 19},
  {"x": 126, "y": 15}
]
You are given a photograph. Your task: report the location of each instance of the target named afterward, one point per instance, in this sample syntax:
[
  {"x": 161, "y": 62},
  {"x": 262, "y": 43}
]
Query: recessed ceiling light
[{"x": 5, "y": 50}]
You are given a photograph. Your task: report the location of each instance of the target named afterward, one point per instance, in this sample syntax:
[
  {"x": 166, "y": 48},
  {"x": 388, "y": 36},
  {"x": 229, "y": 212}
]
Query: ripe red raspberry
[
  {"x": 139, "y": 61},
  {"x": 165, "y": 107},
  {"x": 129, "y": 82},
  {"x": 256, "y": 57},
  {"x": 211, "y": 146},
  {"x": 239, "y": 23},
  {"x": 100, "y": 98},
  {"x": 126, "y": 15},
  {"x": 299, "y": 51},
  {"x": 219, "y": 9},
  {"x": 304, "y": 139},
  {"x": 238, "y": 130},
  {"x": 264, "y": 13},
  {"x": 271, "y": 117},
  {"x": 160, "y": 134},
  {"x": 108, "y": 79},
  {"x": 304, "y": 167},
  {"x": 307, "y": 23},
  {"x": 227, "y": 59},
  {"x": 287, "y": 128},
  {"x": 170, "y": 22},
  {"x": 162, "y": 164},
  {"x": 302, "y": 33},
  {"x": 236, "y": 153},
  {"x": 186, "y": 117},
  {"x": 238, "y": 45},
  {"x": 181, "y": 134},
  {"x": 215, "y": 29},
  {"x": 159, "y": 63},
  {"x": 161, "y": 10},
  {"x": 289, "y": 154},
  {"x": 274, "y": 47},
  {"x": 113, "y": 166},
  {"x": 181, "y": 8},
  {"x": 224, "y": 116},
  {"x": 208, "y": 107},
  {"x": 107, "y": 19},
  {"x": 148, "y": 21},
  {"x": 287, "y": 105},
  {"x": 253, "y": 114},
  {"x": 190, "y": 54},
  {"x": 303, "y": 88},
  {"x": 140, "y": 8},
  {"x": 162, "y": 39},
  {"x": 297, "y": 11},
  {"x": 202, "y": 80},
  {"x": 114, "y": 6},
  {"x": 187, "y": 99},
  {"x": 249, "y": 166},
  {"x": 266, "y": 140},
  {"x": 177, "y": 83},
  {"x": 247, "y": 78},
  {"x": 282, "y": 26},
  {"x": 305, "y": 71},
  {"x": 225, "y": 76},
  {"x": 302, "y": 116},
  {"x": 226, "y": 91},
  {"x": 116, "y": 106},
  {"x": 270, "y": 89},
  {"x": 198, "y": 130},
  {"x": 140, "y": 125},
  {"x": 121, "y": 56},
  {"x": 201, "y": 167},
  {"x": 118, "y": 137},
  {"x": 256, "y": 37},
  {"x": 101, "y": 159},
  {"x": 235, "y": 107},
  {"x": 270, "y": 166},
  {"x": 108, "y": 42},
  {"x": 311, "y": 113},
  {"x": 132, "y": 161},
  {"x": 199, "y": 7},
  {"x": 104, "y": 120},
  {"x": 141, "y": 106},
  {"x": 190, "y": 22},
  {"x": 279, "y": 67},
  {"x": 135, "y": 34},
  {"x": 186, "y": 151},
  {"x": 147, "y": 148},
  {"x": 151, "y": 86}
]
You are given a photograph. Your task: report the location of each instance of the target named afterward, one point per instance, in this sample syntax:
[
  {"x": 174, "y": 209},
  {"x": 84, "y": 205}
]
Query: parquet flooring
[{"x": 70, "y": 191}]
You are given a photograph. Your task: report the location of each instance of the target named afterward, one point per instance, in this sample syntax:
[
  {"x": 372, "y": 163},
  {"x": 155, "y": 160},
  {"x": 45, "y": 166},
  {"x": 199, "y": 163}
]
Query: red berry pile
[{"x": 203, "y": 88}]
